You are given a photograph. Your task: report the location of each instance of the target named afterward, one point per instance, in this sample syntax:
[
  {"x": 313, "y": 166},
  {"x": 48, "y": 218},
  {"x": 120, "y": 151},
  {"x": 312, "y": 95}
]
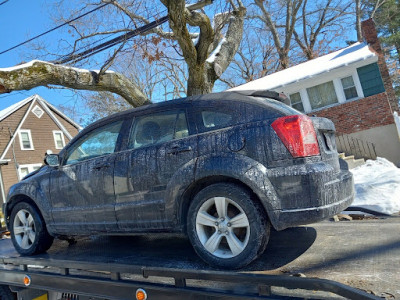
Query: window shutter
[{"x": 371, "y": 80}]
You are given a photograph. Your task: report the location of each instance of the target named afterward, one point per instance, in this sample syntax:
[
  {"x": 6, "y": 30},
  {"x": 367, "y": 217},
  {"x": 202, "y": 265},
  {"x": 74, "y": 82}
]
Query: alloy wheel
[
  {"x": 222, "y": 227},
  {"x": 24, "y": 229}
]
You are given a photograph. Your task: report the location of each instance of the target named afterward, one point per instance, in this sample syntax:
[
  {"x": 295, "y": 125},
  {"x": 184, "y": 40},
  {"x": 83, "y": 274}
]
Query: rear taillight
[{"x": 298, "y": 135}]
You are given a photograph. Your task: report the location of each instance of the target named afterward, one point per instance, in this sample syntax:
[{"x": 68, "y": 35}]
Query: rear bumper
[{"x": 325, "y": 195}]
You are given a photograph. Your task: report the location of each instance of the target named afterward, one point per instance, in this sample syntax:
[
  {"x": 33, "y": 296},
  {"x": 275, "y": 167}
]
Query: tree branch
[
  {"x": 232, "y": 41},
  {"x": 195, "y": 18},
  {"x": 177, "y": 22},
  {"x": 41, "y": 73}
]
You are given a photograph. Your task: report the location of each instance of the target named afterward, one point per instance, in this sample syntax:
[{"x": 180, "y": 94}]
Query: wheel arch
[
  {"x": 18, "y": 198},
  {"x": 235, "y": 168},
  {"x": 197, "y": 186}
]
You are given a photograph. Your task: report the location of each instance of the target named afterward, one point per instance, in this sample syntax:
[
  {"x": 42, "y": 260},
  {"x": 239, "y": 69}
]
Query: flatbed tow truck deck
[{"x": 107, "y": 268}]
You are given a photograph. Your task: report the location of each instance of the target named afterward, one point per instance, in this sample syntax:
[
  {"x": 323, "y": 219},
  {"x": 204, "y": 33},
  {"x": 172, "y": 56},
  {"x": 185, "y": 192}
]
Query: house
[
  {"x": 352, "y": 87},
  {"x": 27, "y": 130}
]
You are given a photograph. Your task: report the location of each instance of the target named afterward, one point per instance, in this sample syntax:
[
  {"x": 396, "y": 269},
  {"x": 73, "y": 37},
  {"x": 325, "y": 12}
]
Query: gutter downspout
[
  {"x": 3, "y": 194},
  {"x": 13, "y": 153}
]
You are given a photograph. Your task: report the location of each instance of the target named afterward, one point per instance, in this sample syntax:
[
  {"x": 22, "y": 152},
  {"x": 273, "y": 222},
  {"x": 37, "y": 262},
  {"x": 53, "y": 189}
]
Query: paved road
[{"x": 363, "y": 254}]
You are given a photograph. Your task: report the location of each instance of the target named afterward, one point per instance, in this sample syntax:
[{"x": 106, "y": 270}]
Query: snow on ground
[{"x": 377, "y": 185}]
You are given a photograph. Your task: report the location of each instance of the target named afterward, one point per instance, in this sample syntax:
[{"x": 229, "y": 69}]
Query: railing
[{"x": 353, "y": 146}]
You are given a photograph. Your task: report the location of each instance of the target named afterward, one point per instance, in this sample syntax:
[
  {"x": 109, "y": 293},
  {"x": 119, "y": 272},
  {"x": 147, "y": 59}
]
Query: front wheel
[
  {"x": 226, "y": 227},
  {"x": 28, "y": 230}
]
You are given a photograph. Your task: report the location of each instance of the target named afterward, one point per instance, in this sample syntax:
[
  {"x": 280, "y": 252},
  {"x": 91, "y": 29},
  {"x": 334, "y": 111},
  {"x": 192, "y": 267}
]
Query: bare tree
[
  {"x": 255, "y": 58},
  {"x": 320, "y": 23},
  {"x": 280, "y": 18},
  {"x": 204, "y": 69},
  {"x": 206, "y": 59},
  {"x": 366, "y": 9}
]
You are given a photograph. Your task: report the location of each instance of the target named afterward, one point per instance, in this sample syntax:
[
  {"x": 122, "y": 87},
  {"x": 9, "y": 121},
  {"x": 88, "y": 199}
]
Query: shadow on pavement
[
  {"x": 172, "y": 251},
  {"x": 175, "y": 251},
  {"x": 284, "y": 247}
]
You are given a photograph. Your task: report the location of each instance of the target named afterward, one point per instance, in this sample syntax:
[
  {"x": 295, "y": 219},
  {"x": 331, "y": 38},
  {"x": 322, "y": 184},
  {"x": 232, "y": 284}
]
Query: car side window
[
  {"x": 216, "y": 119},
  {"x": 158, "y": 128},
  {"x": 98, "y": 142}
]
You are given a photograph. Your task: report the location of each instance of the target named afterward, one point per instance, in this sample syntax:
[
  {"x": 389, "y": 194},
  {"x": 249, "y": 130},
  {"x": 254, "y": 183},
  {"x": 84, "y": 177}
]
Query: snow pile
[{"x": 377, "y": 185}]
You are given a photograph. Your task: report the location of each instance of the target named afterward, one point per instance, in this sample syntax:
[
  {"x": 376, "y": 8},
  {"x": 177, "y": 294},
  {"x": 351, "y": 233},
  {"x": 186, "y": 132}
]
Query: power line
[
  {"x": 99, "y": 40},
  {"x": 50, "y": 30},
  {"x": 3, "y": 2},
  {"x": 106, "y": 45}
]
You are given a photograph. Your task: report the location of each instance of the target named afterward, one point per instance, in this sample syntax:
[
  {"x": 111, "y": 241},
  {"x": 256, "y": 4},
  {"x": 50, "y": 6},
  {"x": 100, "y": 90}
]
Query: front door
[
  {"x": 160, "y": 146},
  {"x": 82, "y": 188}
]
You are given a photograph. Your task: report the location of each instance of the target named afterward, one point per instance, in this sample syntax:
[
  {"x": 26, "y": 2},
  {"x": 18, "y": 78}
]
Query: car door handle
[
  {"x": 101, "y": 166},
  {"x": 177, "y": 149}
]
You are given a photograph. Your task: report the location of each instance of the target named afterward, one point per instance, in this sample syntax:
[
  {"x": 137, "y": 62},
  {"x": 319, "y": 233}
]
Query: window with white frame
[
  {"x": 25, "y": 139},
  {"x": 59, "y": 140},
  {"x": 24, "y": 170},
  {"x": 349, "y": 88},
  {"x": 322, "y": 95},
  {"x": 296, "y": 102}
]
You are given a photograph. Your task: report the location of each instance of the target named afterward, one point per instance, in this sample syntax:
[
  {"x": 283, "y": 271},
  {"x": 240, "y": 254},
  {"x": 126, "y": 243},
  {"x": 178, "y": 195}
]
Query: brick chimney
[{"x": 371, "y": 37}]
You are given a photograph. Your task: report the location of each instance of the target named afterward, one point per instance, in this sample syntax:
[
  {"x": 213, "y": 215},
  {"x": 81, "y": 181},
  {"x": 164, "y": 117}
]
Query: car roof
[{"x": 251, "y": 97}]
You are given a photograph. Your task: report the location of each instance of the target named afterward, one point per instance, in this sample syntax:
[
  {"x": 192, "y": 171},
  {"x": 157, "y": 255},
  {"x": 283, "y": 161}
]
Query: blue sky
[{"x": 21, "y": 20}]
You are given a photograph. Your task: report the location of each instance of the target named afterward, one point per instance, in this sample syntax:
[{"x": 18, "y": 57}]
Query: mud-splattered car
[{"x": 222, "y": 168}]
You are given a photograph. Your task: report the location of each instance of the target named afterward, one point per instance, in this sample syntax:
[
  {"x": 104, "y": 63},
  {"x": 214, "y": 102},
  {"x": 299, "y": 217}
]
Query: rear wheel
[
  {"x": 226, "y": 227},
  {"x": 28, "y": 230}
]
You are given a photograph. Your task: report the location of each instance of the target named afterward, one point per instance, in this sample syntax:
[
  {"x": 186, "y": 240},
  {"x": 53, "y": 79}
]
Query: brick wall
[{"x": 358, "y": 115}]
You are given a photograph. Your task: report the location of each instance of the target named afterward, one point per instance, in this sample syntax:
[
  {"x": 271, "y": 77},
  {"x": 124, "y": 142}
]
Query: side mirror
[{"x": 52, "y": 160}]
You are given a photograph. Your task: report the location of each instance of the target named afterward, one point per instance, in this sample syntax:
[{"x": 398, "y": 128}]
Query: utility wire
[
  {"x": 122, "y": 38},
  {"x": 103, "y": 46},
  {"x": 50, "y": 30},
  {"x": 3, "y": 2},
  {"x": 98, "y": 41}
]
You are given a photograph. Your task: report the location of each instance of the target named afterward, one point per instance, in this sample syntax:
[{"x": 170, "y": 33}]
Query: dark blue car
[{"x": 222, "y": 168}]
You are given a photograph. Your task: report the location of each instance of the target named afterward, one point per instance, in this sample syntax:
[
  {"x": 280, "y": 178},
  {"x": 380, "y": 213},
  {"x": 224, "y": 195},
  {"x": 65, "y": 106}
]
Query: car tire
[
  {"x": 6, "y": 294},
  {"x": 28, "y": 230},
  {"x": 227, "y": 227}
]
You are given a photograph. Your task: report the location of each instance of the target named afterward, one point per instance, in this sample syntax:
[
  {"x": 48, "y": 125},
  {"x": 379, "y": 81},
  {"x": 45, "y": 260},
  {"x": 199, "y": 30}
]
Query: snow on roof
[
  {"x": 377, "y": 185},
  {"x": 343, "y": 57}
]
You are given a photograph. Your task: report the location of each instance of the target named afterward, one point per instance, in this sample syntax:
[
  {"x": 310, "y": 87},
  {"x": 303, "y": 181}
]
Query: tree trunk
[
  {"x": 203, "y": 74},
  {"x": 358, "y": 20},
  {"x": 284, "y": 58},
  {"x": 197, "y": 82}
]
